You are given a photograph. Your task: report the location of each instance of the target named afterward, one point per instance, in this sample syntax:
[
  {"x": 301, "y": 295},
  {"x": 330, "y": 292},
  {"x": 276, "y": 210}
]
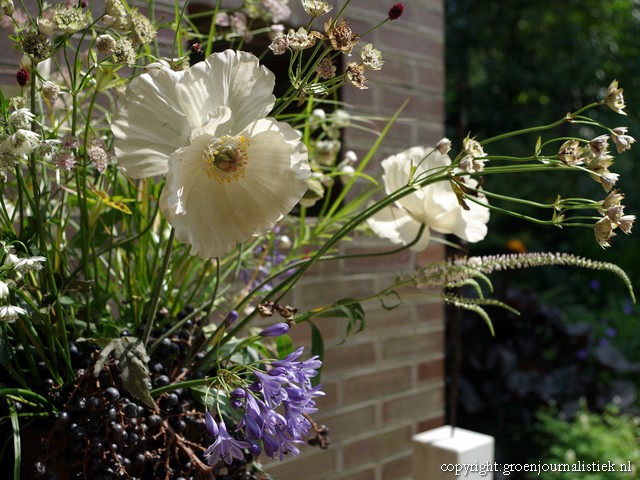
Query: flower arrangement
[{"x": 156, "y": 206}]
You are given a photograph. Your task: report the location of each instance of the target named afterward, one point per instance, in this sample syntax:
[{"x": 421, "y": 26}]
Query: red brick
[
  {"x": 376, "y": 448},
  {"x": 347, "y": 424},
  {"x": 327, "y": 290},
  {"x": 431, "y": 423},
  {"x": 316, "y": 465},
  {"x": 366, "y": 474},
  {"x": 413, "y": 345},
  {"x": 431, "y": 313},
  {"x": 425, "y": 403},
  {"x": 376, "y": 384},
  {"x": 380, "y": 322},
  {"x": 399, "y": 468},
  {"x": 349, "y": 354},
  {"x": 331, "y": 398},
  {"x": 431, "y": 370}
]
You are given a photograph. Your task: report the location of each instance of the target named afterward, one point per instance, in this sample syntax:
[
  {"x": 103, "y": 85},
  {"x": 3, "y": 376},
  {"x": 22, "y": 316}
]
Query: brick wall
[{"x": 385, "y": 383}]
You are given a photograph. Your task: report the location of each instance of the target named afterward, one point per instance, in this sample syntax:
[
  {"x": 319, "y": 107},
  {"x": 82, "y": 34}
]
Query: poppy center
[{"x": 226, "y": 158}]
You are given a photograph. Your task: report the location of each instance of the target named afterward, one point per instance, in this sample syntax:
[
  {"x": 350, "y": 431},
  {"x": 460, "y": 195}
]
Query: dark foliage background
[{"x": 513, "y": 64}]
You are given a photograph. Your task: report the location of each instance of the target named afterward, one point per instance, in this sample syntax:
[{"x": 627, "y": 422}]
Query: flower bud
[
  {"x": 106, "y": 44},
  {"x": 7, "y": 7},
  {"x": 231, "y": 318},
  {"x": 275, "y": 330},
  {"x": 212, "y": 428},
  {"x": 396, "y": 11},
  {"x": 22, "y": 77},
  {"x": 444, "y": 146}
]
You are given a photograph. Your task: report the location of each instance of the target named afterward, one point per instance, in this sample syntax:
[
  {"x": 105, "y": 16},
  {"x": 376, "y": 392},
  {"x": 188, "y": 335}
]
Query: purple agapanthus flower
[
  {"x": 285, "y": 386},
  {"x": 225, "y": 447}
]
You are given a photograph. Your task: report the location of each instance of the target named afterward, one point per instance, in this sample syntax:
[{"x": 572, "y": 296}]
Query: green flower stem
[
  {"x": 156, "y": 296},
  {"x": 361, "y": 166},
  {"x": 174, "y": 386},
  {"x": 350, "y": 226},
  {"x": 567, "y": 118}
]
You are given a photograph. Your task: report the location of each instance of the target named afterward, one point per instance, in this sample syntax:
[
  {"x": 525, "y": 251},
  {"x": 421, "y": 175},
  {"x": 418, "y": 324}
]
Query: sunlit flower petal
[
  {"x": 436, "y": 205},
  {"x": 231, "y": 173}
]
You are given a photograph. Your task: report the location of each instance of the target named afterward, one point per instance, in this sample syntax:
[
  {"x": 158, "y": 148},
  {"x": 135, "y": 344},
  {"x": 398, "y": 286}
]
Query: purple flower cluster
[{"x": 286, "y": 386}]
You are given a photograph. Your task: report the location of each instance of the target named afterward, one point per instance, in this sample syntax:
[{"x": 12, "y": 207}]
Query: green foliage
[{"x": 591, "y": 437}]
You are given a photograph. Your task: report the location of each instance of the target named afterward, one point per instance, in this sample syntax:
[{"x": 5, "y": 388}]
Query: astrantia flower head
[
  {"x": 21, "y": 119},
  {"x": 371, "y": 57},
  {"x": 70, "y": 20},
  {"x": 355, "y": 75},
  {"x": 106, "y": 44},
  {"x": 231, "y": 172},
  {"x": 279, "y": 44},
  {"x": 142, "y": 31},
  {"x": 316, "y": 8},
  {"x": 435, "y": 205},
  {"x": 340, "y": 35}
]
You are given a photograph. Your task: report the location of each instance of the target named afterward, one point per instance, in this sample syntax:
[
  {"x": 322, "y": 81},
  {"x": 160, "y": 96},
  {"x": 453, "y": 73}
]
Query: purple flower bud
[
  {"x": 212, "y": 428},
  {"x": 236, "y": 403},
  {"x": 255, "y": 450},
  {"x": 238, "y": 393},
  {"x": 231, "y": 318},
  {"x": 275, "y": 330}
]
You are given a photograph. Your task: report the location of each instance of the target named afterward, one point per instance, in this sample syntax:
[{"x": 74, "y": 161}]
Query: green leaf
[
  {"x": 15, "y": 427},
  {"x": 350, "y": 309},
  {"x": 317, "y": 348},
  {"x": 284, "y": 345},
  {"x": 132, "y": 357}
]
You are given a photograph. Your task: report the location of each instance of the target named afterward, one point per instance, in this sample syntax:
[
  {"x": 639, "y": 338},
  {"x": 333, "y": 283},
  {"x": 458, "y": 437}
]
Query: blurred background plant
[{"x": 580, "y": 332}]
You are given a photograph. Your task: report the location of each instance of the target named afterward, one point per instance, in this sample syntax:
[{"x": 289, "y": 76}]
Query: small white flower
[
  {"x": 11, "y": 259},
  {"x": 316, "y": 8},
  {"x": 30, "y": 264},
  {"x": 4, "y": 289},
  {"x": 444, "y": 146},
  {"x": 435, "y": 205},
  {"x": 371, "y": 57},
  {"x": 279, "y": 44},
  {"x": 231, "y": 172},
  {"x": 21, "y": 119},
  {"x": 10, "y": 313},
  {"x": 621, "y": 139},
  {"x": 21, "y": 143},
  {"x": 350, "y": 157}
]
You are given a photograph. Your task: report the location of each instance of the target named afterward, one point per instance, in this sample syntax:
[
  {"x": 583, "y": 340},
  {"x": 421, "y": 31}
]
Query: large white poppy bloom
[
  {"x": 231, "y": 172},
  {"x": 434, "y": 205}
]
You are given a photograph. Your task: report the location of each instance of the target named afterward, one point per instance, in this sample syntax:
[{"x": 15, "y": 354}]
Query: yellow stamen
[{"x": 226, "y": 158}]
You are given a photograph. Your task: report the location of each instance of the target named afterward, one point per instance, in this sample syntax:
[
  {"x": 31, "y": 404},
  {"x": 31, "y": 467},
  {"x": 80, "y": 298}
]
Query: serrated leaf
[{"x": 133, "y": 360}]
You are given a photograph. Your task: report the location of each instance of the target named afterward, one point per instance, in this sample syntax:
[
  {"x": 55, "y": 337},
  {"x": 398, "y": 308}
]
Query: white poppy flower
[
  {"x": 231, "y": 172},
  {"x": 434, "y": 205}
]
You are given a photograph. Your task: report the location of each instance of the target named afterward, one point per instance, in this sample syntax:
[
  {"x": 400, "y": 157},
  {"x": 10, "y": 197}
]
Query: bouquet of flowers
[{"x": 159, "y": 202}]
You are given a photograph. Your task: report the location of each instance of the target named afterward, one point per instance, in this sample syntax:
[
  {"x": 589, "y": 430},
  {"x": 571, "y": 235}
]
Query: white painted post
[{"x": 447, "y": 453}]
